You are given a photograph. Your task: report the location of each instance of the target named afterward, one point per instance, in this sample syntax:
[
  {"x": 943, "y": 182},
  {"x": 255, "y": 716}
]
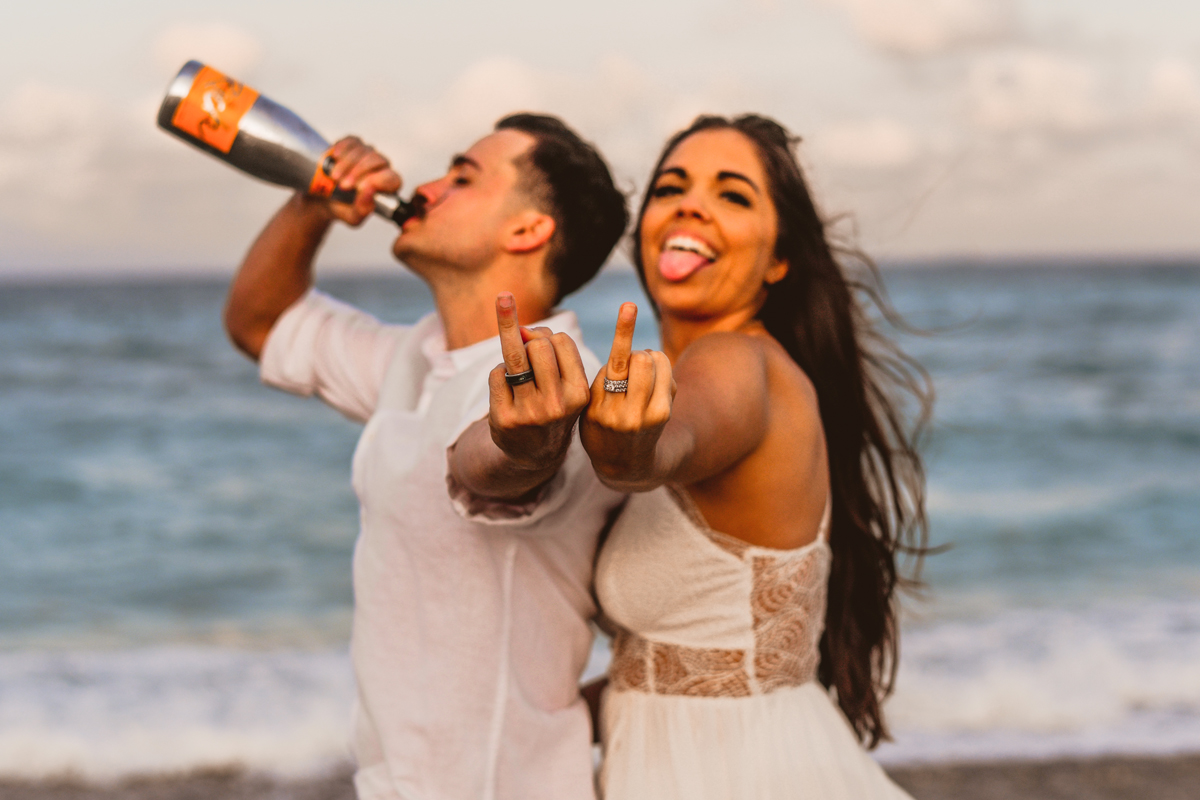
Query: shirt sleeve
[
  {"x": 573, "y": 477},
  {"x": 325, "y": 347},
  {"x": 490, "y": 511}
]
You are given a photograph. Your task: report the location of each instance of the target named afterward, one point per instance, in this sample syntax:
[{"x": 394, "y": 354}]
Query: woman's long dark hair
[{"x": 874, "y": 403}]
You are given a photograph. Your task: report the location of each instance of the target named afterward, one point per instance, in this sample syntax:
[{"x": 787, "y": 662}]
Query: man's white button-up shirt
[{"x": 471, "y": 617}]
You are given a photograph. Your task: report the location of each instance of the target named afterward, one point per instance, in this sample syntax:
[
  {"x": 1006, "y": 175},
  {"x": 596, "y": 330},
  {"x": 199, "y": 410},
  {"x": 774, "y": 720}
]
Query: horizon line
[{"x": 34, "y": 276}]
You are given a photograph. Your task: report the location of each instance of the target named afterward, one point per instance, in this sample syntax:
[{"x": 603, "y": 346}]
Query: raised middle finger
[
  {"x": 515, "y": 360},
  {"x": 617, "y": 368}
]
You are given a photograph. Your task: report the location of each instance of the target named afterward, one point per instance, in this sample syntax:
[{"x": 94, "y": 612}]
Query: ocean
[{"x": 175, "y": 539}]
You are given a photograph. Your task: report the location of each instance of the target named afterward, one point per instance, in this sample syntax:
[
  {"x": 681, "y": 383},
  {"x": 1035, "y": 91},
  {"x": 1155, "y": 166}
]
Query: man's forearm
[
  {"x": 276, "y": 272},
  {"x": 478, "y": 464}
]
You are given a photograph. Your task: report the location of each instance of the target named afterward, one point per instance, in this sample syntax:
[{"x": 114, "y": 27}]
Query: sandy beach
[{"x": 1108, "y": 778}]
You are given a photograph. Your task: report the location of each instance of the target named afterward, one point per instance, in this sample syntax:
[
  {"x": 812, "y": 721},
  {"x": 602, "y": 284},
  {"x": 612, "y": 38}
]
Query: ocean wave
[
  {"x": 1036, "y": 683},
  {"x": 104, "y": 715},
  {"x": 1080, "y": 499},
  {"x": 1027, "y": 684}
]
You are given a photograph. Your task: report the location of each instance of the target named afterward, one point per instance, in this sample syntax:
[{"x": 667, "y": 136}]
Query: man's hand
[
  {"x": 524, "y": 440},
  {"x": 278, "y": 268},
  {"x": 360, "y": 167},
  {"x": 532, "y": 422}
]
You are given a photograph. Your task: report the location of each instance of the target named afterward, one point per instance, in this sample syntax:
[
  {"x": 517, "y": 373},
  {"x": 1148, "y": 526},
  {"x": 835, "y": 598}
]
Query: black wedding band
[{"x": 519, "y": 378}]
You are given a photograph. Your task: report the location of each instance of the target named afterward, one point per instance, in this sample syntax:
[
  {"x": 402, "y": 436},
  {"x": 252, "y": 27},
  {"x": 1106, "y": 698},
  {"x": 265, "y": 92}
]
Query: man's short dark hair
[{"x": 569, "y": 180}]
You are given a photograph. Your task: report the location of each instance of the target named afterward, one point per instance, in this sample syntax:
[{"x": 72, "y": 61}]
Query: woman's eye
[
  {"x": 460, "y": 181},
  {"x": 737, "y": 198},
  {"x": 666, "y": 191}
]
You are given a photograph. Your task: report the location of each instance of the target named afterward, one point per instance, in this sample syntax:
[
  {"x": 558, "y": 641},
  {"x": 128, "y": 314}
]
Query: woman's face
[{"x": 707, "y": 237}]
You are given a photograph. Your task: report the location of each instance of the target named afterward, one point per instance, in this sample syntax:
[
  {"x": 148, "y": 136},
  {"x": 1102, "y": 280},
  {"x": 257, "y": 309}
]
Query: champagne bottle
[{"x": 255, "y": 134}]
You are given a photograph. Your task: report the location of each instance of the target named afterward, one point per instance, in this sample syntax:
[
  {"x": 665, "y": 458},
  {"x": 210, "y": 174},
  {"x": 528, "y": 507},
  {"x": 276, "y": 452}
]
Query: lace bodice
[{"x": 702, "y": 613}]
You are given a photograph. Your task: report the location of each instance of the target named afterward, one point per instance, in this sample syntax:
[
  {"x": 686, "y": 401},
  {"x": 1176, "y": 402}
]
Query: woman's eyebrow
[
  {"x": 737, "y": 176},
  {"x": 678, "y": 172}
]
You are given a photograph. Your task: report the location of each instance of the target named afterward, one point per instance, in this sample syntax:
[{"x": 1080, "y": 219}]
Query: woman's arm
[{"x": 678, "y": 424}]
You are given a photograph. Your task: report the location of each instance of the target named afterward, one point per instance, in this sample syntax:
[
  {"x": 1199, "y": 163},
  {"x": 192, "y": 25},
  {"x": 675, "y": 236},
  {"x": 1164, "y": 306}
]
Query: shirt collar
[{"x": 433, "y": 347}]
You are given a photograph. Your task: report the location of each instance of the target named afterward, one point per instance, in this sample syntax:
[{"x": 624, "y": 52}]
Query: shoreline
[
  {"x": 1109, "y": 777},
  {"x": 1115, "y": 777}
]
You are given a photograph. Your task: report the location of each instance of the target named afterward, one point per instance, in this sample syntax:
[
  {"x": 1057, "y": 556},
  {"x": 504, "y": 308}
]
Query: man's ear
[
  {"x": 776, "y": 272},
  {"x": 528, "y": 231}
]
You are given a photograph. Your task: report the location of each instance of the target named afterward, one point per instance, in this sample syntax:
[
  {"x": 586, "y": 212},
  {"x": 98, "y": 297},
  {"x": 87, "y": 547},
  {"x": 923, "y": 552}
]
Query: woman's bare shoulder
[
  {"x": 753, "y": 362},
  {"x": 725, "y": 351},
  {"x": 784, "y": 370},
  {"x": 723, "y": 401}
]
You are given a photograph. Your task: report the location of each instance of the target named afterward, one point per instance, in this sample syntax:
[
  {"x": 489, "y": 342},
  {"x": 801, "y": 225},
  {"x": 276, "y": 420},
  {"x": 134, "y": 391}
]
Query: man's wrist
[
  {"x": 312, "y": 210},
  {"x": 534, "y": 459},
  {"x": 547, "y": 460}
]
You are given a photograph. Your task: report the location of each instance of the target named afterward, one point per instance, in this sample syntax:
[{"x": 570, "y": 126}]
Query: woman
[{"x": 752, "y": 575}]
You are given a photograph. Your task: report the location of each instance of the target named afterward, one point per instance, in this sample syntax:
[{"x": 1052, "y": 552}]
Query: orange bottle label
[
  {"x": 213, "y": 108},
  {"x": 322, "y": 185}
]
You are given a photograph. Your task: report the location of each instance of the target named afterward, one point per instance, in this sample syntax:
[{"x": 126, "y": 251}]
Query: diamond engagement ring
[
  {"x": 616, "y": 386},
  {"x": 519, "y": 378}
]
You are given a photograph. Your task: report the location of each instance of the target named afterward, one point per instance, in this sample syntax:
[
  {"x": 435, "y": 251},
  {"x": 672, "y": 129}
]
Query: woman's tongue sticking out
[
  {"x": 675, "y": 265},
  {"x": 681, "y": 256}
]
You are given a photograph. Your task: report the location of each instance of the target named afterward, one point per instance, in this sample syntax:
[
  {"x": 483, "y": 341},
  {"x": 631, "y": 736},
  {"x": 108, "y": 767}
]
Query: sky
[{"x": 931, "y": 129}]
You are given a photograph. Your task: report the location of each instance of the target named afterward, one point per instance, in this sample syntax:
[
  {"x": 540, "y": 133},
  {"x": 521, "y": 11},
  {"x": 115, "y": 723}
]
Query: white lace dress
[{"x": 713, "y": 690}]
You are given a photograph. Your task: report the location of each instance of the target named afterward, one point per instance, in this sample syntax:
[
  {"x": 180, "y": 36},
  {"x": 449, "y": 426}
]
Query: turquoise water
[{"x": 175, "y": 538}]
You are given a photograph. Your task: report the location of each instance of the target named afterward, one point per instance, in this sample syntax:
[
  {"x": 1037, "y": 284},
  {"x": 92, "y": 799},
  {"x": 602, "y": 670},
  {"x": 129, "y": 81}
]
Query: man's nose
[{"x": 433, "y": 190}]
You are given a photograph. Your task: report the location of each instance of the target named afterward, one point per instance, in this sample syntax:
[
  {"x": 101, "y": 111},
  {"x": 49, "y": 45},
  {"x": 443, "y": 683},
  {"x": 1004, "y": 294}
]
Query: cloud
[
  {"x": 1034, "y": 91},
  {"x": 1174, "y": 90},
  {"x": 227, "y": 48},
  {"x": 38, "y": 112},
  {"x": 483, "y": 92},
  {"x": 48, "y": 144},
  {"x": 616, "y": 104},
  {"x": 86, "y": 178},
  {"x": 89, "y": 180},
  {"x": 928, "y": 27},
  {"x": 879, "y": 143}
]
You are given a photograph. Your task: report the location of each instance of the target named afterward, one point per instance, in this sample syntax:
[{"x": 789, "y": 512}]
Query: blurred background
[
  {"x": 948, "y": 127},
  {"x": 175, "y": 539}
]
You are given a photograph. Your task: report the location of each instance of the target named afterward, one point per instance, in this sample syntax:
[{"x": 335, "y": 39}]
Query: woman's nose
[{"x": 692, "y": 205}]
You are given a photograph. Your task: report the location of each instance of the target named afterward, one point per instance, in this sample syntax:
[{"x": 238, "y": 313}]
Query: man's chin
[
  {"x": 400, "y": 248},
  {"x": 409, "y": 256}
]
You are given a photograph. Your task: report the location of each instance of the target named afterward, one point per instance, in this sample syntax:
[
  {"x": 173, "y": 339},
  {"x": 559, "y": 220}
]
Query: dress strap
[{"x": 826, "y": 520}]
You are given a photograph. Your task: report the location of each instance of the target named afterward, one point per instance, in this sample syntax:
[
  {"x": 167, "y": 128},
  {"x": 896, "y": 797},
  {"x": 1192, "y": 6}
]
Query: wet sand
[{"x": 1109, "y": 778}]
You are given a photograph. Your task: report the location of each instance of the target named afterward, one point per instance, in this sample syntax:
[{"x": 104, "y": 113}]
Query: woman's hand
[{"x": 623, "y": 424}]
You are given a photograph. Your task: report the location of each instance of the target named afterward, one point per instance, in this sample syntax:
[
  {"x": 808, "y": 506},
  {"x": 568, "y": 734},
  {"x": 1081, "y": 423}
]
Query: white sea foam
[
  {"x": 101, "y": 715},
  {"x": 1037, "y": 684},
  {"x": 1020, "y": 684},
  {"x": 1051, "y": 682}
]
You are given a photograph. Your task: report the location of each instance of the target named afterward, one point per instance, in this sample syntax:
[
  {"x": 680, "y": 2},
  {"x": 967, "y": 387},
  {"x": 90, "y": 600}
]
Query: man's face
[{"x": 467, "y": 209}]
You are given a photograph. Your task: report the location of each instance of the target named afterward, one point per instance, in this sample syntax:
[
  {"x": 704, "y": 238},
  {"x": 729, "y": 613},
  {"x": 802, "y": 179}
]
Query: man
[{"x": 479, "y": 510}]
